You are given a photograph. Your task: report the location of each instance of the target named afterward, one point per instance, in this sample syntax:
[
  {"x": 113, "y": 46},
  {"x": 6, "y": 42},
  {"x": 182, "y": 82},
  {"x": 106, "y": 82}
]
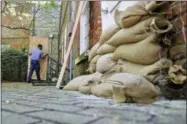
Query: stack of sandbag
[
  {"x": 135, "y": 39},
  {"x": 127, "y": 61},
  {"x": 101, "y": 52},
  {"x": 138, "y": 45},
  {"x": 122, "y": 87},
  {"x": 150, "y": 72}
]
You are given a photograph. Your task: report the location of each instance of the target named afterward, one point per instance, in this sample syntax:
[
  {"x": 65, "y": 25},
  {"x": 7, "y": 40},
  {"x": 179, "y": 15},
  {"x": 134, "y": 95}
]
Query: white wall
[
  {"x": 107, "y": 18},
  {"x": 84, "y": 30}
]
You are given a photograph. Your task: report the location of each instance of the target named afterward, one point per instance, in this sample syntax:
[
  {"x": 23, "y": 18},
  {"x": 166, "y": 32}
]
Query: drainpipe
[
  {"x": 115, "y": 6},
  {"x": 59, "y": 36}
]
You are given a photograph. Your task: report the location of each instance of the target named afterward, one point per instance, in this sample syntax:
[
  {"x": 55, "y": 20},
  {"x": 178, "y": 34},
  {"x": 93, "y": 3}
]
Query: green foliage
[
  {"x": 14, "y": 65},
  {"x": 49, "y": 5}
]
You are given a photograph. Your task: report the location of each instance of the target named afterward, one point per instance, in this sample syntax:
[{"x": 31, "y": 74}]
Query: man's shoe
[{"x": 28, "y": 81}]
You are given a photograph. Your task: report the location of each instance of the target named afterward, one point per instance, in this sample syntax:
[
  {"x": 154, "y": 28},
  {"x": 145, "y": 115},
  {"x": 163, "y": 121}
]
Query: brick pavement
[{"x": 24, "y": 104}]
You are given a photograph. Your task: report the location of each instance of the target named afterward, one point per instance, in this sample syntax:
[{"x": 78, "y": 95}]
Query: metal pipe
[
  {"x": 59, "y": 36},
  {"x": 115, "y": 6}
]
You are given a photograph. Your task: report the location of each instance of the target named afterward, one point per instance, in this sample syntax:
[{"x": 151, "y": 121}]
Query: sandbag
[
  {"x": 74, "y": 84},
  {"x": 104, "y": 89},
  {"x": 105, "y": 63},
  {"x": 105, "y": 48},
  {"x": 93, "y": 52},
  {"x": 177, "y": 74},
  {"x": 91, "y": 69},
  {"x": 131, "y": 16},
  {"x": 140, "y": 31},
  {"x": 144, "y": 52},
  {"x": 135, "y": 86},
  {"x": 94, "y": 60},
  {"x": 108, "y": 33},
  {"x": 129, "y": 67},
  {"x": 160, "y": 25},
  {"x": 92, "y": 66},
  {"x": 150, "y": 72}
]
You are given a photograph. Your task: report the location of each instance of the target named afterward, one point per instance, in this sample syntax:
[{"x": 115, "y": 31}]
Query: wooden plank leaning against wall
[{"x": 80, "y": 9}]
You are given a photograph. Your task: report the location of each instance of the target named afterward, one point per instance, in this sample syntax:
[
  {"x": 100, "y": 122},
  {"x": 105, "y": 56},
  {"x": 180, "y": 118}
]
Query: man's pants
[{"x": 34, "y": 66}]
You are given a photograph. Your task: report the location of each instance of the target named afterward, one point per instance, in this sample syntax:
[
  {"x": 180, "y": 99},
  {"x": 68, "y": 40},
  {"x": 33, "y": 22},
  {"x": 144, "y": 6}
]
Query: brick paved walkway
[{"x": 24, "y": 104}]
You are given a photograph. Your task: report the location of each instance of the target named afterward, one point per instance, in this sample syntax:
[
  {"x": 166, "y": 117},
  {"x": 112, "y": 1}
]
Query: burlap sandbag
[
  {"x": 105, "y": 48},
  {"x": 134, "y": 86},
  {"x": 94, "y": 60},
  {"x": 92, "y": 66},
  {"x": 74, "y": 84},
  {"x": 104, "y": 89},
  {"x": 131, "y": 16},
  {"x": 129, "y": 67},
  {"x": 108, "y": 33},
  {"x": 150, "y": 72},
  {"x": 177, "y": 74},
  {"x": 85, "y": 86},
  {"x": 160, "y": 25},
  {"x": 140, "y": 31},
  {"x": 91, "y": 69},
  {"x": 145, "y": 52},
  {"x": 105, "y": 63},
  {"x": 93, "y": 52}
]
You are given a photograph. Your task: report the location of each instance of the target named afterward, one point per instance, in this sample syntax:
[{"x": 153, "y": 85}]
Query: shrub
[{"x": 14, "y": 65}]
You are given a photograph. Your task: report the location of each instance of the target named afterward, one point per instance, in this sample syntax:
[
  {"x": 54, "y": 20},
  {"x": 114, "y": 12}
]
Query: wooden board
[
  {"x": 33, "y": 43},
  {"x": 80, "y": 9}
]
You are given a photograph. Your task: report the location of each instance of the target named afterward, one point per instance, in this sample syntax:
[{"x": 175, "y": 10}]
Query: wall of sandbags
[
  {"x": 135, "y": 38},
  {"x": 131, "y": 61}
]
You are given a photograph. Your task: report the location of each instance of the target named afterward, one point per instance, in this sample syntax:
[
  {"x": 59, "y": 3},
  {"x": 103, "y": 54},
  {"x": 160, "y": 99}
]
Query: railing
[{"x": 54, "y": 72}]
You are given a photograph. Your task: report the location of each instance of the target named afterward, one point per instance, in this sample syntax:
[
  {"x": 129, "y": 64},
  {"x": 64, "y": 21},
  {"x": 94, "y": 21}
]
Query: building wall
[
  {"x": 84, "y": 29},
  {"x": 95, "y": 22},
  {"x": 107, "y": 15},
  {"x": 16, "y": 38}
]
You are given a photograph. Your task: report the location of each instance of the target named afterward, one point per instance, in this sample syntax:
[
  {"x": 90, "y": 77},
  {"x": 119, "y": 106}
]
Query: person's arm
[{"x": 44, "y": 56}]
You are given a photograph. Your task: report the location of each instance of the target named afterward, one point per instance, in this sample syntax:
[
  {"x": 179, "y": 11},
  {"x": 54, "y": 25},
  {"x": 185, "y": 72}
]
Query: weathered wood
[{"x": 80, "y": 9}]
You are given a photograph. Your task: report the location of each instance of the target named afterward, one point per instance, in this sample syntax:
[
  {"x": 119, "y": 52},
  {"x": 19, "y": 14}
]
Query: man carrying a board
[{"x": 36, "y": 55}]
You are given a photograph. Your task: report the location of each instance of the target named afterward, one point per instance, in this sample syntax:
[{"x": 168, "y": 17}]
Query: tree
[{"x": 18, "y": 11}]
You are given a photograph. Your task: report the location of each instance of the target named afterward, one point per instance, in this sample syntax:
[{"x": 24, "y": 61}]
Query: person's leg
[
  {"x": 32, "y": 67},
  {"x": 37, "y": 70}
]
